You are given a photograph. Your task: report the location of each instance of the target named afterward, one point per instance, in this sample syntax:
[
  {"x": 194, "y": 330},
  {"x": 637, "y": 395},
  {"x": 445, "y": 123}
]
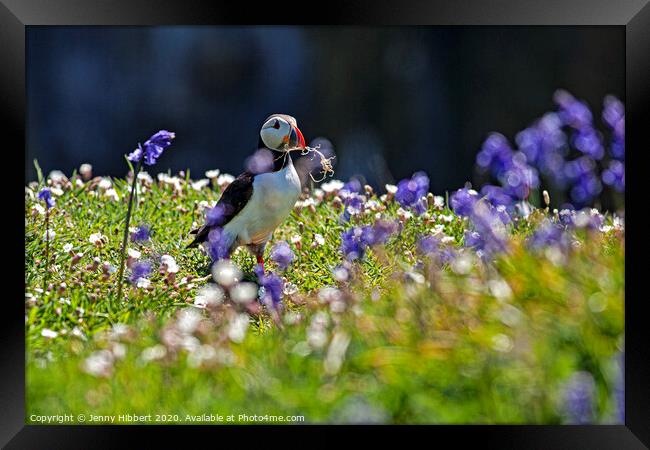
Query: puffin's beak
[{"x": 297, "y": 140}]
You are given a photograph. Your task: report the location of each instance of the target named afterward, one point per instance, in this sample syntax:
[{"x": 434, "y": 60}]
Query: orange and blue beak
[{"x": 296, "y": 139}]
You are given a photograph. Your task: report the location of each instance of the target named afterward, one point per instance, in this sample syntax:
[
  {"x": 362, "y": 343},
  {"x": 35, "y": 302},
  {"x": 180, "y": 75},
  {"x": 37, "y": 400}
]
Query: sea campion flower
[
  {"x": 282, "y": 255},
  {"x": 147, "y": 154},
  {"x": 579, "y": 398},
  {"x": 410, "y": 191},
  {"x": 141, "y": 234}
]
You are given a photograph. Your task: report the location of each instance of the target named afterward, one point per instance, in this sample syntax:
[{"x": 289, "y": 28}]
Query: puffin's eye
[{"x": 276, "y": 124}]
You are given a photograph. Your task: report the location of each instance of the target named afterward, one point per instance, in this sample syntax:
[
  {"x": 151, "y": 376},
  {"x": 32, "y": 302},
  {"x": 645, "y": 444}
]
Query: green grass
[{"x": 470, "y": 343}]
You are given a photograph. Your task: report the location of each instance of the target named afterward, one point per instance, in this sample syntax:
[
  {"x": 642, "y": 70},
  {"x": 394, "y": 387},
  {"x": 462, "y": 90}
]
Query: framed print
[{"x": 376, "y": 216}]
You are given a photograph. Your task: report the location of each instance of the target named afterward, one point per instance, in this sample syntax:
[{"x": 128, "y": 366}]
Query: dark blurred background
[{"x": 392, "y": 100}]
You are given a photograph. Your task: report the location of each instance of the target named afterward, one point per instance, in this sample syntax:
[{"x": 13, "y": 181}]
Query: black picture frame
[{"x": 633, "y": 15}]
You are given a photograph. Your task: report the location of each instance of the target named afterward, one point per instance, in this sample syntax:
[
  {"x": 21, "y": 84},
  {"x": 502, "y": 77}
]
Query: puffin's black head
[{"x": 280, "y": 132}]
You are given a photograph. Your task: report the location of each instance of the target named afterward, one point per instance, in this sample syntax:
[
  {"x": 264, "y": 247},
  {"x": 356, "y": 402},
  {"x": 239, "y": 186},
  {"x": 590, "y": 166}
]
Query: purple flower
[
  {"x": 579, "y": 398},
  {"x": 218, "y": 244},
  {"x": 140, "y": 269},
  {"x": 462, "y": 201},
  {"x": 382, "y": 230},
  {"x": 353, "y": 204},
  {"x": 141, "y": 234},
  {"x": 614, "y": 175},
  {"x": 260, "y": 162},
  {"x": 428, "y": 245},
  {"x": 548, "y": 234},
  {"x": 46, "y": 195},
  {"x": 573, "y": 112},
  {"x": 352, "y": 245},
  {"x": 152, "y": 148},
  {"x": 282, "y": 255},
  {"x": 587, "y": 140},
  {"x": 273, "y": 287},
  {"x": 495, "y": 154},
  {"x": 496, "y": 195},
  {"x": 613, "y": 111},
  {"x": 352, "y": 186},
  {"x": 488, "y": 232},
  {"x": 216, "y": 216},
  {"x": 585, "y": 182},
  {"x": 410, "y": 191}
]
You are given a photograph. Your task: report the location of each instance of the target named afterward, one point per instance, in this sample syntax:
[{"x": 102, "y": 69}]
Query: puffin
[{"x": 256, "y": 202}]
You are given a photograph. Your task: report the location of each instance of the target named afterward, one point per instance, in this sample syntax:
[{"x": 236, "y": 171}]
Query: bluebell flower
[
  {"x": 140, "y": 269},
  {"x": 614, "y": 175},
  {"x": 141, "y": 234},
  {"x": 588, "y": 141},
  {"x": 573, "y": 113},
  {"x": 548, "y": 234},
  {"x": 382, "y": 230},
  {"x": 273, "y": 287},
  {"x": 462, "y": 201},
  {"x": 409, "y": 191},
  {"x": 427, "y": 245},
  {"x": 352, "y": 186},
  {"x": 613, "y": 111},
  {"x": 495, "y": 154},
  {"x": 46, "y": 195},
  {"x": 152, "y": 148},
  {"x": 216, "y": 216},
  {"x": 282, "y": 255},
  {"x": 490, "y": 225},
  {"x": 352, "y": 246},
  {"x": 585, "y": 182},
  {"x": 579, "y": 398},
  {"x": 218, "y": 244},
  {"x": 260, "y": 162}
]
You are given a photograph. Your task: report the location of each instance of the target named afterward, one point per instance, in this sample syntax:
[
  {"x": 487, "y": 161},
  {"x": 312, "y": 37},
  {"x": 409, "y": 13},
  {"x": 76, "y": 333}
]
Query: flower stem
[
  {"x": 47, "y": 249},
  {"x": 126, "y": 230}
]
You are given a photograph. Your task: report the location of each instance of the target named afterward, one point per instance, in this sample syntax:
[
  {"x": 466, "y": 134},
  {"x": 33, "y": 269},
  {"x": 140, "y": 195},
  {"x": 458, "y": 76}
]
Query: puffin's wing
[{"x": 233, "y": 199}]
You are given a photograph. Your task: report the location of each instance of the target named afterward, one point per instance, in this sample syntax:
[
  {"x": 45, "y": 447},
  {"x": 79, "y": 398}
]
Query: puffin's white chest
[{"x": 274, "y": 195}]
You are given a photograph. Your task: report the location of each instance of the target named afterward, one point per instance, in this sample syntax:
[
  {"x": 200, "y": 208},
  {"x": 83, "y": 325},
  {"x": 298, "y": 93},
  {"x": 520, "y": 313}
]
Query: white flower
[
  {"x": 49, "y": 235},
  {"x": 188, "y": 320},
  {"x": 142, "y": 283},
  {"x": 112, "y": 194},
  {"x": 97, "y": 239},
  {"x": 446, "y": 218},
  {"x": 38, "y": 209},
  {"x": 500, "y": 289},
  {"x": 99, "y": 364},
  {"x": 170, "y": 263},
  {"x": 226, "y": 273},
  {"x": 296, "y": 238},
  {"x": 438, "y": 202},
  {"x": 244, "y": 292},
  {"x": 133, "y": 253},
  {"x": 502, "y": 343},
  {"x": 46, "y": 332},
  {"x": 57, "y": 176},
  {"x": 224, "y": 180},
  {"x": 208, "y": 295},
  {"x": 212, "y": 173},
  {"x": 86, "y": 170},
  {"x": 336, "y": 352},
  {"x": 67, "y": 247},
  {"x": 145, "y": 177},
  {"x": 332, "y": 186},
  {"x": 200, "y": 184},
  {"x": 153, "y": 353},
  {"x": 447, "y": 239},
  {"x": 319, "y": 239},
  {"x": 290, "y": 289},
  {"x": 56, "y": 191},
  {"x": 391, "y": 188},
  {"x": 105, "y": 183},
  {"x": 238, "y": 327}
]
